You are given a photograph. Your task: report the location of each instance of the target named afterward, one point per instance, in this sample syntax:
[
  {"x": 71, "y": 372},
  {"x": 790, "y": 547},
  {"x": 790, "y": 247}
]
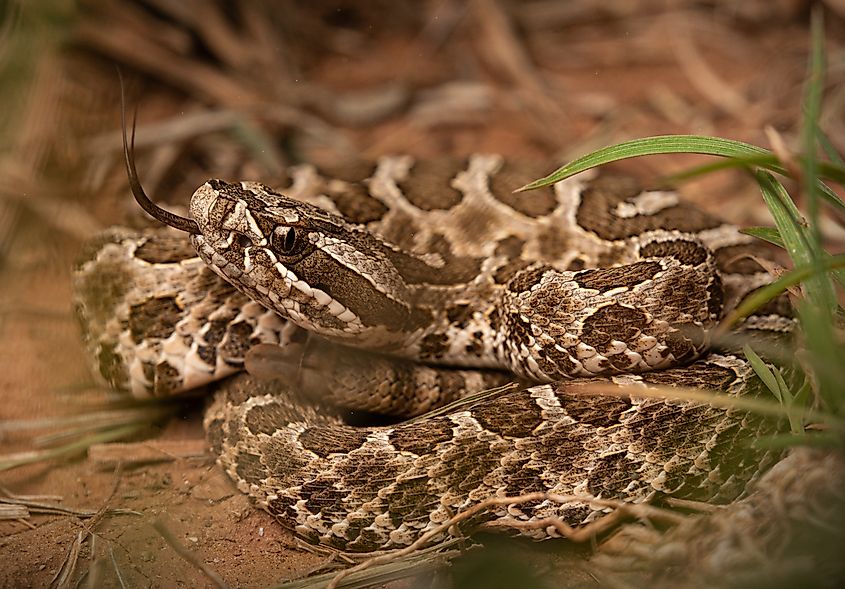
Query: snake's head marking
[{"x": 309, "y": 265}]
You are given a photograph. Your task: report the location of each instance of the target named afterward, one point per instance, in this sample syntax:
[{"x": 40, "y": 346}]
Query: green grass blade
[
  {"x": 651, "y": 146},
  {"x": 764, "y": 373},
  {"x": 769, "y": 234},
  {"x": 766, "y": 293},
  {"x": 829, "y": 150},
  {"x": 798, "y": 239},
  {"x": 787, "y": 217},
  {"x": 812, "y": 110},
  {"x": 833, "y": 170},
  {"x": 739, "y": 154}
]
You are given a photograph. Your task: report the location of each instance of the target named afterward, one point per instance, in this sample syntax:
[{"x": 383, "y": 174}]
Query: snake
[{"x": 408, "y": 287}]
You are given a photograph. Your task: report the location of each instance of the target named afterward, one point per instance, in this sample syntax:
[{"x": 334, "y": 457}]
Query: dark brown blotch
[
  {"x": 613, "y": 322},
  {"x": 629, "y": 275},
  {"x": 266, "y": 419},
  {"x": 167, "y": 379},
  {"x": 740, "y": 259},
  {"x": 597, "y": 212},
  {"x": 411, "y": 500},
  {"x": 154, "y": 318},
  {"x": 510, "y": 247},
  {"x": 699, "y": 375},
  {"x": 434, "y": 345},
  {"x": 611, "y": 475},
  {"x": 111, "y": 365},
  {"x": 506, "y": 272},
  {"x": 207, "y": 354},
  {"x": 237, "y": 342},
  {"x": 513, "y": 175},
  {"x": 332, "y": 439},
  {"x": 459, "y": 314},
  {"x": 595, "y": 410},
  {"x": 421, "y": 437},
  {"x": 685, "y": 251},
  {"x": 215, "y": 331},
  {"x": 367, "y": 541},
  {"x": 354, "y": 202},
  {"x": 321, "y": 496},
  {"x": 429, "y": 184},
  {"x": 215, "y": 435},
  {"x": 514, "y": 415},
  {"x": 353, "y": 171},
  {"x": 250, "y": 468},
  {"x": 525, "y": 279}
]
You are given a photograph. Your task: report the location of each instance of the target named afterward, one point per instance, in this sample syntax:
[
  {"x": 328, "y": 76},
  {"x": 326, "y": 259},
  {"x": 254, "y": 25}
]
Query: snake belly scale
[{"x": 400, "y": 286}]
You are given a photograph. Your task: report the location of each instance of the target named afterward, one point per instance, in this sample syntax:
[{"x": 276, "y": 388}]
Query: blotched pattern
[{"x": 439, "y": 282}]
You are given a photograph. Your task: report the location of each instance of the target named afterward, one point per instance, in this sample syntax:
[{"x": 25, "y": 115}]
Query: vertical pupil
[{"x": 288, "y": 241}]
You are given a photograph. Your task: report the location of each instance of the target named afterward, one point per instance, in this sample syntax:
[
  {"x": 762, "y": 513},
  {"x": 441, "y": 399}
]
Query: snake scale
[{"x": 400, "y": 286}]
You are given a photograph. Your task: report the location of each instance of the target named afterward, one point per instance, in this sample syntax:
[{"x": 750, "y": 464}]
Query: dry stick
[
  {"x": 565, "y": 530},
  {"x": 188, "y": 555}
]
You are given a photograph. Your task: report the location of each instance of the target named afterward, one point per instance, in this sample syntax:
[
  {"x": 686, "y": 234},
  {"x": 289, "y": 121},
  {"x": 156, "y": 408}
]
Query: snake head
[{"x": 310, "y": 266}]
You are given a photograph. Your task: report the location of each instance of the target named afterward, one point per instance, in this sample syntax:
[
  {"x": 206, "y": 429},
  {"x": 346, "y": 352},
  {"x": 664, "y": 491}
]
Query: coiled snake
[{"x": 401, "y": 286}]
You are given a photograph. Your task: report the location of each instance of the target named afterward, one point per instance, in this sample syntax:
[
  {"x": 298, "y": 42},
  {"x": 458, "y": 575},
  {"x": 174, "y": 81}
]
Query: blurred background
[{"x": 241, "y": 90}]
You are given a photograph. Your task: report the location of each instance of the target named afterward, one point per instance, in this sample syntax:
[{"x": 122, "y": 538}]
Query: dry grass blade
[
  {"x": 621, "y": 510},
  {"x": 116, "y": 568},
  {"x": 64, "y": 576},
  {"x": 424, "y": 560},
  {"x": 13, "y": 511},
  {"x": 53, "y": 509},
  {"x": 10, "y": 461},
  {"x": 189, "y": 556},
  {"x": 110, "y": 455}
]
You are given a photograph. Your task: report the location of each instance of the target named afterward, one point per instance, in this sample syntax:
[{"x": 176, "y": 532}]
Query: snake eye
[{"x": 284, "y": 239}]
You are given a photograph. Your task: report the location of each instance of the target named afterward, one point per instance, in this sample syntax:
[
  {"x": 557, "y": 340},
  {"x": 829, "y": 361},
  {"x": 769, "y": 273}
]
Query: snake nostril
[{"x": 242, "y": 240}]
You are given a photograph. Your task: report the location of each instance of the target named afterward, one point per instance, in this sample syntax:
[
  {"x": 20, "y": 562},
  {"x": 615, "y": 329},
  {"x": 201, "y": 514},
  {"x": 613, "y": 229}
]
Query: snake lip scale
[{"x": 403, "y": 285}]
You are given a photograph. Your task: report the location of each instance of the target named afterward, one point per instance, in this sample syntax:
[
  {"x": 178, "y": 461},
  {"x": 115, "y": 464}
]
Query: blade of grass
[
  {"x": 798, "y": 242},
  {"x": 825, "y": 356},
  {"x": 812, "y": 110},
  {"x": 763, "y": 372},
  {"x": 740, "y": 155},
  {"x": 790, "y": 440},
  {"x": 651, "y": 146},
  {"x": 10, "y": 461},
  {"x": 769, "y": 234},
  {"x": 829, "y": 150},
  {"x": 766, "y": 293}
]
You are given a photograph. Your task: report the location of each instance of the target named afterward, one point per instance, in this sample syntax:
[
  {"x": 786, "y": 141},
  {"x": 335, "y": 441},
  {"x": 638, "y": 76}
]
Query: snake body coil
[{"x": 399, "y": 287}]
